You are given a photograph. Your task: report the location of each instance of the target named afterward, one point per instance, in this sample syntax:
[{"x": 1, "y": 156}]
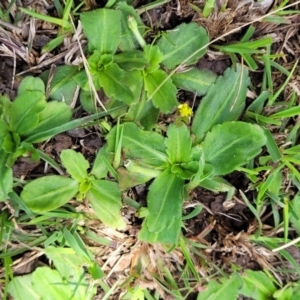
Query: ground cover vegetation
[{"x": 149, "y": 150}]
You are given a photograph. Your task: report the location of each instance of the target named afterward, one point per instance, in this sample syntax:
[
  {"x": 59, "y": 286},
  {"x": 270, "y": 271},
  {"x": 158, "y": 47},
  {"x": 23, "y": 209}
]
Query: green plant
[
  {"x": 179, "y": 163},
  {"x": 208, "y": 7},
  {"x": 28, "y": 115},
  {"x": 50, "y": 192},
  {"x": 67, "y": 281},
  {"x": 30, "y": 119},
  {"x": 255, "y": 284},
  {"x": 134, "y": 76},
  {"x": 246, "y": 48}
]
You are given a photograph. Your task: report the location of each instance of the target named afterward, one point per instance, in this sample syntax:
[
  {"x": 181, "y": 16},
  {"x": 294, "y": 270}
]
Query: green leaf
[
  {"x": 49, "y": 192},
  {"x": 103, "y": 29},
  {"x": 134, "y": 81},
  {"x": 75, "y": 163},
  {"x": 164, "y": 201},
  {"x": 147, "y": 146},
  {"x": 4, "y": 130},
  {"x": 62, "y": 86},
  {"x": 149, "y": 115},
  {"x": 31, "y": 84},
  {"x": 128, "y": 179},
  {"x": 168, "y": 235},
  {"x": 232, "y": 144},
  {"x": 153, "y": 56},
  {"x": 143, "y": 112},
  {"x": 128, "y": 41},
  {"x": 50, "y": 285},
  {"x": 194, "y": 80},
  {"x": 182, "y": 42},
  {"x": 295, "y": 215},
  {"x": 163, "y": 98},
  {"x": 105, "y": 199},
  {"x": 55, "y": 114},
  {"x": 99, "y": 169},
  {"x": 70, "y": 267},
  {"x": 11, "y": 142},
  {"x": 134, "y": 174},
  {"x": 25, "y": 110},
  {"x": 82, "y": 80},
  {"x": 87, "y": 100},
  {"x": 98, "y": 62},
  {"x": 228, "y": 289},
  {"x": 218, "y": 107},
  {"x": 111, "y": 80},
  {"x": 76, "y": 243},
  {"x": 5, "y": 105},
  {"x": 6, "y": 178},
  {"x": 179, "y": 144},
  {"x": 21, "y": 288},
  {"x": 131, "y": 60},
  {"x": 257, "y": 285}
]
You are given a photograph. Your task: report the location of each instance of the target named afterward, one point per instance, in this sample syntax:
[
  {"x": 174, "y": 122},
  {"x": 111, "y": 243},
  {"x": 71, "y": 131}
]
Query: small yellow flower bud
[{"x": 184, "y": 110}]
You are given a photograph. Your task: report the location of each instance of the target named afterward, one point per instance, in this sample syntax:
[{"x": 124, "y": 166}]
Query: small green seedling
[
  {"x": 50, "y": 192},
  {"x": 208, "y": 7}
]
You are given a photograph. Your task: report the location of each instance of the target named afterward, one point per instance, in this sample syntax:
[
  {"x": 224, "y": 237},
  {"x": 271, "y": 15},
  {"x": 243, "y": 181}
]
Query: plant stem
[{"x": 132, "y": 24}]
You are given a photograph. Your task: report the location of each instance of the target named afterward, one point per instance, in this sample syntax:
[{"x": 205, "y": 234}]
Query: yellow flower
[{"x": 184, "y": 110}]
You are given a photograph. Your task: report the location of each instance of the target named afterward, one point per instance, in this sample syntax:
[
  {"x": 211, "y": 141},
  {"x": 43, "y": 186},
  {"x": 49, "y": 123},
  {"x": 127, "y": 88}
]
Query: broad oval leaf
[
  {"x": 49, "y": 192},
  {"x": 134, "y": 174},
  {"x": 102, "y": 28},
  {"x": 5, "y": 105},
  {"x": 75, "y": 163},
  {"x": 25, "y": 111},
  {"x": 182, "y": 42},
  {"x": 168, "y": 235},
  {"x": 162, "y": 96},
  {"x": 257, "y": 285},
  {"x": 50, "y": 285},
  {"x": 194, "y": 80},
  {"x": 153, "y": 56},
  {"x": 69, "y": 266},
  {"x": 30, "y": 84},
  {"x": 111, "y": 80},
  {"x": 146, "y": 146},
  {"x": 20, "y": 287},
  {"x": 62, "y": 87},
  {"x": 232, "y": 144},
  {"x": 143, "y": 112},
  {"x": 228, "y": 289},
  {"x": 101, "y": 163},
  {"x": 179, "y": 144},
  {"x": 131, "y": 60},
  {"x": 55, "y": 114},
  {"x": 105, "y": 199},
  {"x": 164, "y": 201},
  {"x": 224, "y": 101}
]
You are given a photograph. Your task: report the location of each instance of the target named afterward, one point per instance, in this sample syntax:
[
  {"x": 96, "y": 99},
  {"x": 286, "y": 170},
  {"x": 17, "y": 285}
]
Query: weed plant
[{"x": 194, "y": 148}]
